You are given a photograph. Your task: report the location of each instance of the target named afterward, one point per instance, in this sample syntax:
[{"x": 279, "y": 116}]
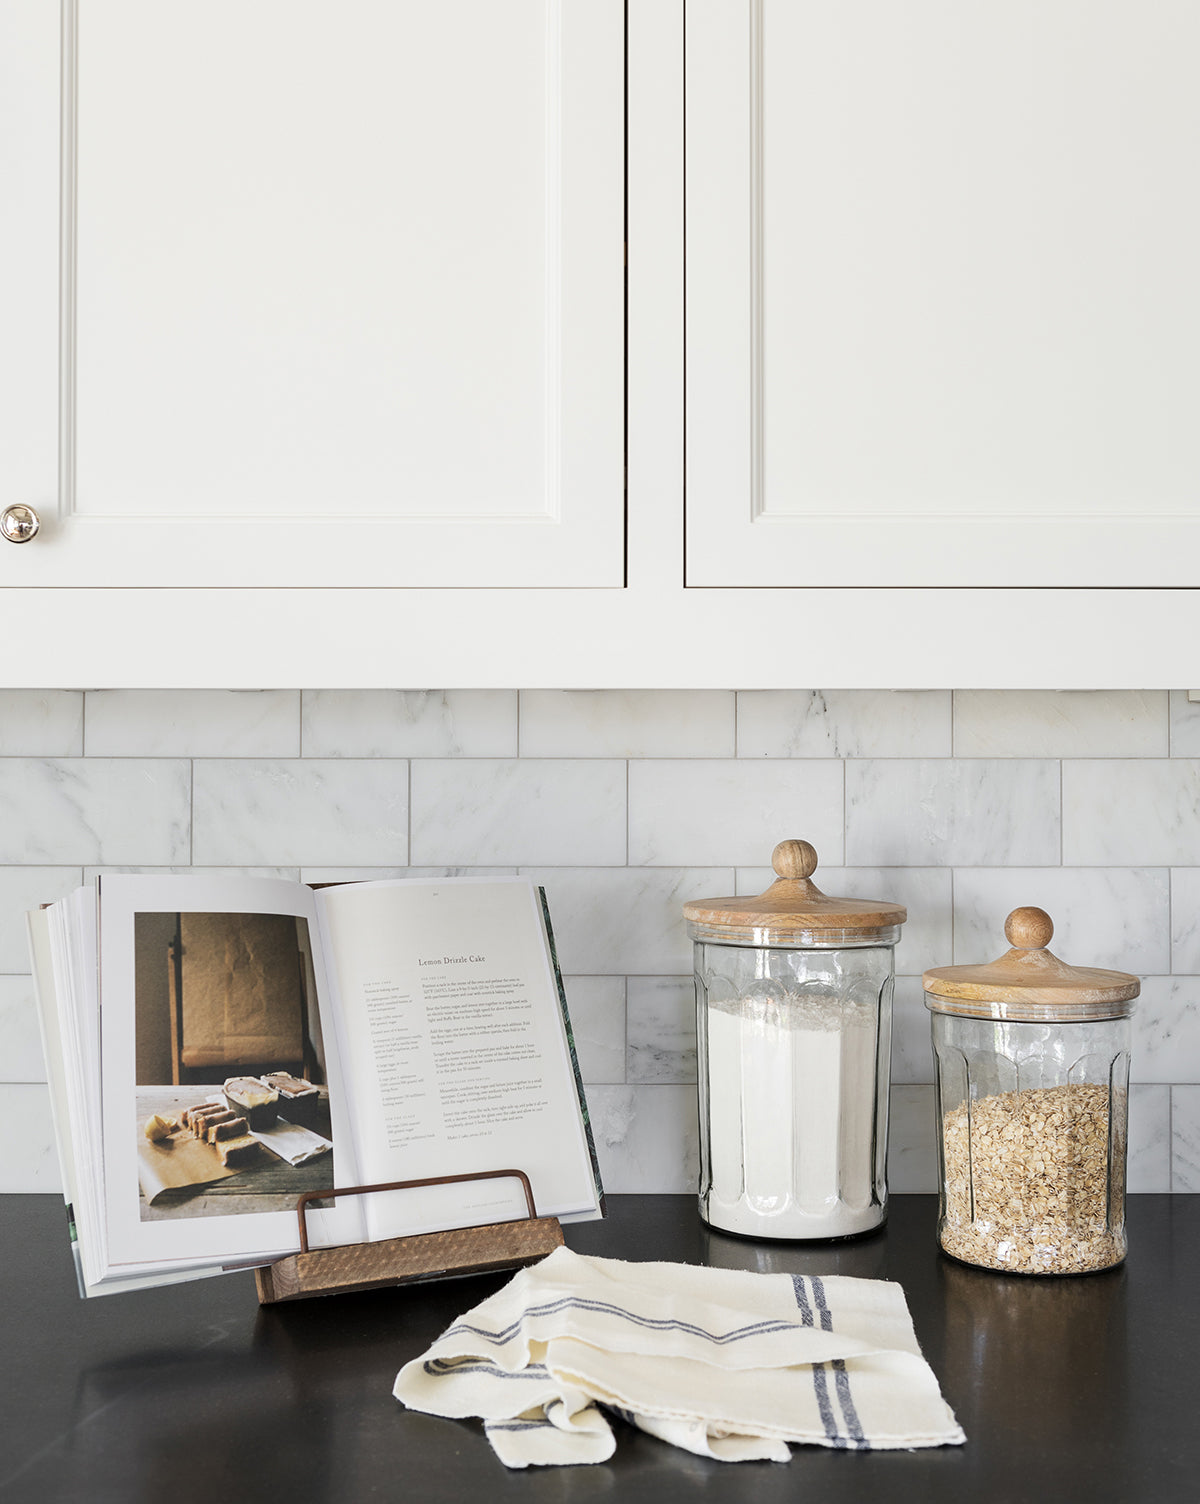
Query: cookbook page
[
  {"x": 454, "y": 1037},
  {"x": 208, "y": 985}
]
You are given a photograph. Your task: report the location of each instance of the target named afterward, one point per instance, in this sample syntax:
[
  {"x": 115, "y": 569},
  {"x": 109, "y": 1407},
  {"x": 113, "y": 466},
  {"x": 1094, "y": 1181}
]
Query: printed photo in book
[{"x": 232, "y": 1103}]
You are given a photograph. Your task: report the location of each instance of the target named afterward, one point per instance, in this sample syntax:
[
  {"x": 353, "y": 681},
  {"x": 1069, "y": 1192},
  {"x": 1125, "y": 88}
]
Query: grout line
[
  {"x": 625, "y": 1030},
  {"x": 628, "y": 760}
]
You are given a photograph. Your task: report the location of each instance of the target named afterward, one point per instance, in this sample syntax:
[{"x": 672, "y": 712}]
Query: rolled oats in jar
[{"x": 1032, "y": 1085}]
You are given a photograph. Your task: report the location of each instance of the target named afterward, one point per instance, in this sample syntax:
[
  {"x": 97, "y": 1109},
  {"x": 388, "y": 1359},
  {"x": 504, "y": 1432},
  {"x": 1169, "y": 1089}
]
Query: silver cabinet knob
[{"x": 19, "y": 523}]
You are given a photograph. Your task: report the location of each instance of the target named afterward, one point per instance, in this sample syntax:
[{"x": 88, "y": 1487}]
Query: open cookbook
[{"x": 218, "y": 1046}]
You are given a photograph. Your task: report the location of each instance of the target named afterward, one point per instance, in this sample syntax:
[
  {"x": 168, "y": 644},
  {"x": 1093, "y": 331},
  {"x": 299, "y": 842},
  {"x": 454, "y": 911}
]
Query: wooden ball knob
[
  {"x": 1029, "y": 929},
  {"x": 794, "y": 859}
]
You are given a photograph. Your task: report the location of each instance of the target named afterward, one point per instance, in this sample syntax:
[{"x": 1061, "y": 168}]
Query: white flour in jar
[{"x": 791, "y": 1112}]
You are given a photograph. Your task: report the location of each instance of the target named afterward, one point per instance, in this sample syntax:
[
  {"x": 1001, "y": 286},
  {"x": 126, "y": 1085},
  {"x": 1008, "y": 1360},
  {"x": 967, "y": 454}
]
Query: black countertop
[{"x": 1074, "y": 1388}]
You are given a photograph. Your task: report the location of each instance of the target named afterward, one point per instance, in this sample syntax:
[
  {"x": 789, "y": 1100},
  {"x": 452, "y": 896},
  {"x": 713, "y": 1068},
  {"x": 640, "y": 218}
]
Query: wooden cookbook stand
[{"x": 401, "y": 1261}]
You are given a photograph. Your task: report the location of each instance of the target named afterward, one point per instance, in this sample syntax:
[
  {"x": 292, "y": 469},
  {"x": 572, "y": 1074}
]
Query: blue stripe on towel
[
  {"x": 841, "y": 1376},
  {"x": 659, "y": 1324},
  {"x": 851, "y": 1434},
  {"x": 519, "y": 1425},
  {"x": 437, "y": 1369},
  {"x": 820, "y": 1380}
]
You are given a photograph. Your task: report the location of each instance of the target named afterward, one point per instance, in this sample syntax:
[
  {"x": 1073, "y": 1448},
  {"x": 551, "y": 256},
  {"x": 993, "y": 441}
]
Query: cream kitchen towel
[{"x": 728, "y": 1364}]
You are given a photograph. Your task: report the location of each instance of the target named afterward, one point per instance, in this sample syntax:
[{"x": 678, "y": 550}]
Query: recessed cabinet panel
[
  {"x": 342, "y": 294},
  {"x": 942, "y": 309}
]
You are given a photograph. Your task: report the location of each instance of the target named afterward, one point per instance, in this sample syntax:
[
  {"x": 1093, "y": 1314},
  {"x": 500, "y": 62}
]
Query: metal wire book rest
[{"x": 400, "y": 1261}]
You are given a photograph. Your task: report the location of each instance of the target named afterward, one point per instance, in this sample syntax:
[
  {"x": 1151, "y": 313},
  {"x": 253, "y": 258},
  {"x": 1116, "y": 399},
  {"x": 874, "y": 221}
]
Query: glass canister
[
  {"x": 794, "y": 1030},
  {"x": 1032, "y": 1088}
]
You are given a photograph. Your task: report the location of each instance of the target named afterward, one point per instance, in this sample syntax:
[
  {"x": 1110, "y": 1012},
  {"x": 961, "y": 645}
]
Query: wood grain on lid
[
  {"x": 1029, "y": 973},
  {"x": 794, "y": 902}
]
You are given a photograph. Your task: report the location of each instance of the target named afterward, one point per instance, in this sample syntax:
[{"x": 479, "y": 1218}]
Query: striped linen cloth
[{"x": 728, "y": 1364}]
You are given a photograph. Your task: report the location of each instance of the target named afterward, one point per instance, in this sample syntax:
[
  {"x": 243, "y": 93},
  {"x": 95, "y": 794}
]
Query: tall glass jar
[
  {"x": 793, "y": 1024},
  {"x": 1032, "y": 1088}
]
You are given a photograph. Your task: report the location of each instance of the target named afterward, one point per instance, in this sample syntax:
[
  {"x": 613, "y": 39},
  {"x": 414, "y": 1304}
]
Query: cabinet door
[
  {"x": 323, "y": 295},
  {"x": 942, "y": 303}
]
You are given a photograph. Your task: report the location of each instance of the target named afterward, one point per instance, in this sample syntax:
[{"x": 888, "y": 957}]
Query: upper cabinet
[
  {"x": 942, "y": 302},
  {"x": 311, "y": 295},
  {"x": 572, "y": 343}
]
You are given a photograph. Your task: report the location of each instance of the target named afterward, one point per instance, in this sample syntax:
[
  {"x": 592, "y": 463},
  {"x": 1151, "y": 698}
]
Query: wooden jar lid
[
  {"x": 1029, "y": 981},
  {"x": 793, "y": 910}
]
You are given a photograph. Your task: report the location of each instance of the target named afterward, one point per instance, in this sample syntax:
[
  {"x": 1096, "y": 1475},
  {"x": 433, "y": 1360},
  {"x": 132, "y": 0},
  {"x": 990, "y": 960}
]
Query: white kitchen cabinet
[
  {"x": 895, "y": 388},
  {"x": 340, "y": 294},
  {"x": 942, "y": 304}
]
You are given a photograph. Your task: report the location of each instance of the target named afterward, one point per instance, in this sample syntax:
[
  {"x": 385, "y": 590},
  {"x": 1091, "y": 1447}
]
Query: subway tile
[
  {"x": 926, "y": 935},
  {"x": 1121, "y": 813},
  {"x": 381, "y": 874},
  {"x": 843, "y": 723},
  {"x": 29, "y": 1161},
  {"x": 1166, "y": 1031},
  {"x": 20, "y": 1038},
  {"x": 596, "y": 1006},
  {"x": 1185, "y": 725},
  {"x": 95, "y": 809},
  {"x": 193, "y": 723},
  {"x": 627, "y": 723},
  {"x": 1060, "y": 723},
  {"x": 535, "y": 811},
  {"x": 1185, "y": 919},
  {"x": 1114, "y": 917},
  {"x": 912, "y": 1051},
  {"x": 709, "y": 813},
  {"x": 625, "y": 920},
  {"x": 958, "y": 812},
  {"x": 661, "y": 1029},
  {"x": 285, "y": 874},
  {"x": 646, "y": 1138},
  {"x": 1149, "y": 1150},
  {"x": 410, "y": 723},
  {"x": 22, "y": 889},
  {"x": 41, "y": 723},
  {"x": 321, "y": 811},
  {"x": 912, "y": 1141},
  {"x": 1185, "y": 1138}
]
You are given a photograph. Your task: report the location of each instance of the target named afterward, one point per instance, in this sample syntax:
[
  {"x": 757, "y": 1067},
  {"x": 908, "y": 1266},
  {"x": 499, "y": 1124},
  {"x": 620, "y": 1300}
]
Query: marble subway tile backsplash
[
  {"x": 843, "y": 723},
  {"x": 409, "y": 723},
  {"x": 560, "y": 811},
  {"x": 953, "y": 812},
  {"x": 298, "y": 810},
  {"x": 1058, "y": 723},
  {"x": 95, "y": 809},
  {"x": 960, "y": 805},
  {"x": 707, "y": 811}
]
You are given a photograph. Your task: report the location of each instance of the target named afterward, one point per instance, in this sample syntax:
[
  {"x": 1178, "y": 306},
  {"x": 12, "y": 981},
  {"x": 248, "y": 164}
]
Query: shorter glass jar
[{"x": 1032, "y": 1089}]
